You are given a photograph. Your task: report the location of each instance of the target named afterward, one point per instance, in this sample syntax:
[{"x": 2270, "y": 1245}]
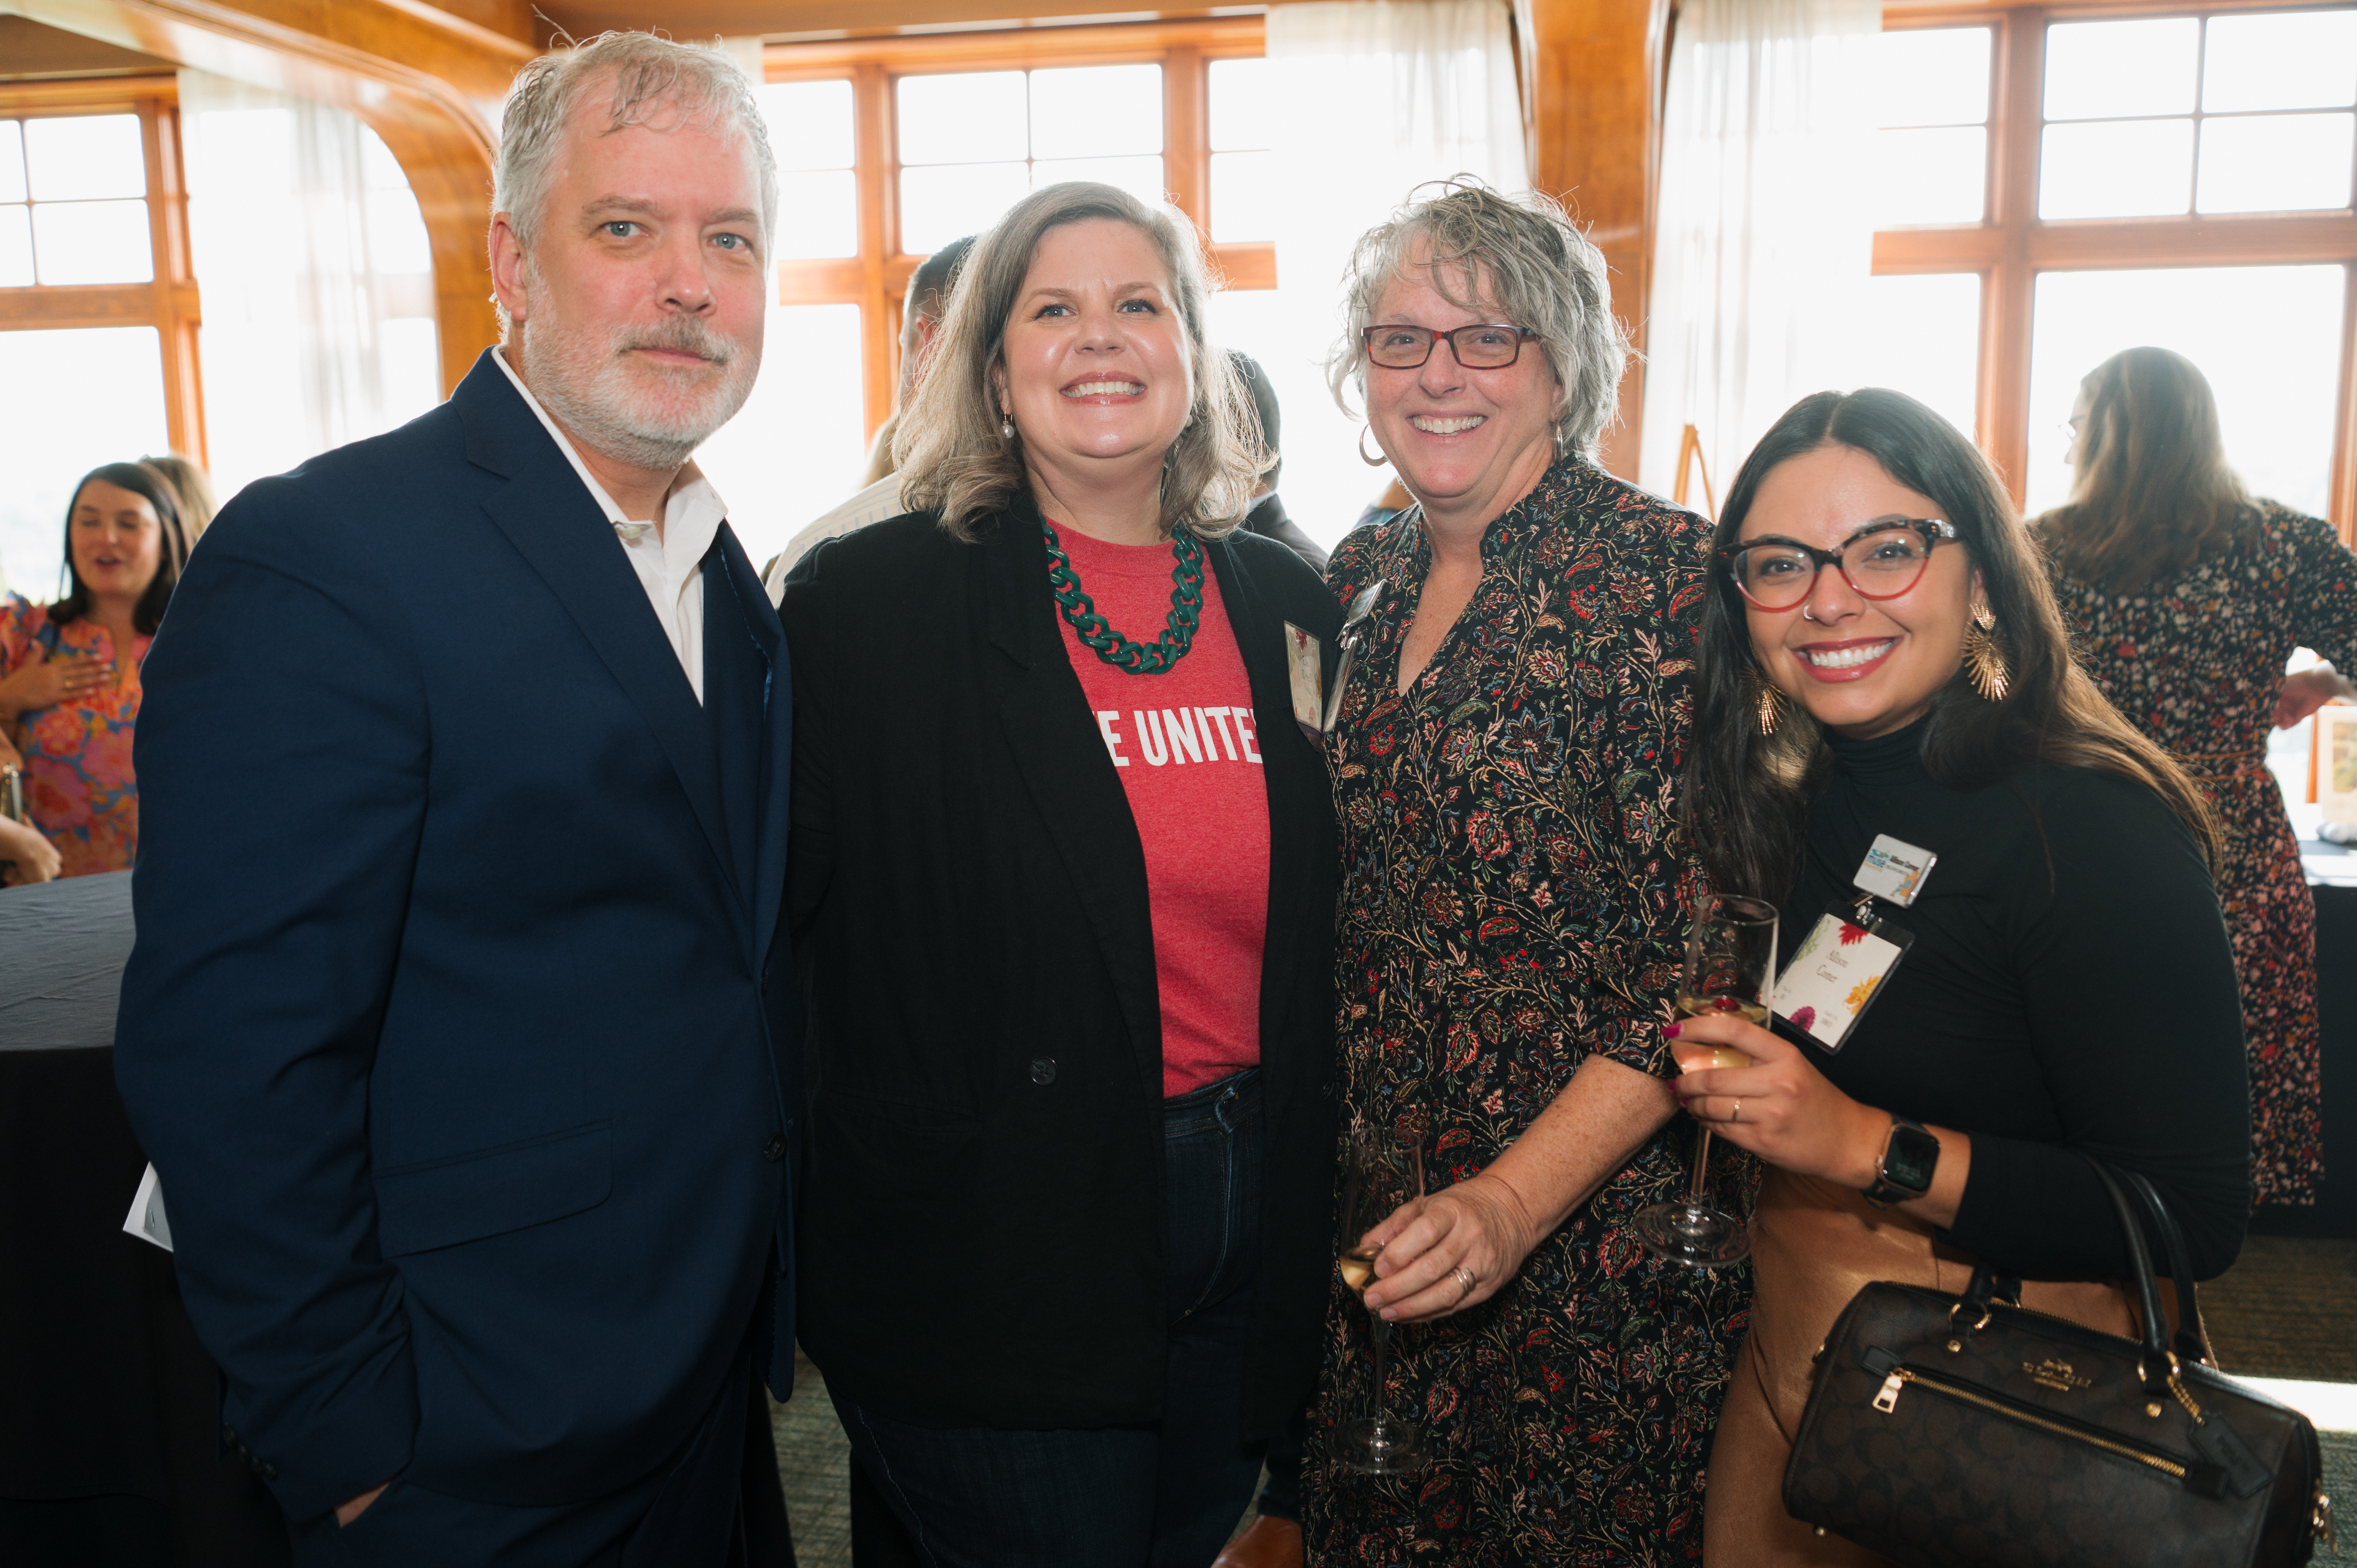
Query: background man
[
  {"x": 451, "y": 1026},
  {"x": 1267, "y": 517},
  {"x": 920, "y": 317}
]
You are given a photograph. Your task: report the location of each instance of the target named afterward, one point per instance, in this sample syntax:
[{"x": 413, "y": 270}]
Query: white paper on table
[{"x": 147, "y": 1220}]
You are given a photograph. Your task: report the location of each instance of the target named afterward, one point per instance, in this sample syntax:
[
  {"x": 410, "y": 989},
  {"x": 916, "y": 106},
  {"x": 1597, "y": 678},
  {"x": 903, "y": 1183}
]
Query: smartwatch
[{"x": 1909, "y": 1157}]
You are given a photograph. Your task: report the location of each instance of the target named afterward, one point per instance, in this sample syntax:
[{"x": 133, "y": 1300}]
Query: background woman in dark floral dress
[
  {"x": 2185, "y": 597},
  {"x": 1511, "y": 920}
]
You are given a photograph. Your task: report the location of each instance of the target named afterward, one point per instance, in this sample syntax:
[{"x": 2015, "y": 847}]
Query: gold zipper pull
[
  {"x": 1888, "y": 1400},
  {"x": 2177, "y": 1387}
]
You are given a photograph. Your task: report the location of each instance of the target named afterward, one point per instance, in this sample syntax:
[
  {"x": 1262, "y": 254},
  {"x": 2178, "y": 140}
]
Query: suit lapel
[
  {"x": 1294, "y": 775},
  {"x": 751, "y": 614},
  {"x": 1064, "y": 764},
  {"x": 554, "y": 525}
]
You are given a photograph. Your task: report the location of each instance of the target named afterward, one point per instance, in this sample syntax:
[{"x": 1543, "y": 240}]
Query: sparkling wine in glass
[
  {"x": 1730, "y": 968},
  {"x": 1386, "y": 1171}
]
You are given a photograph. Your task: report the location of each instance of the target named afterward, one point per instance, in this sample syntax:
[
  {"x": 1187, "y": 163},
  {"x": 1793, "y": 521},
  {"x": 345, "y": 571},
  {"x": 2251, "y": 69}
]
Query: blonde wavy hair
[{"x": 949, "y": 450}]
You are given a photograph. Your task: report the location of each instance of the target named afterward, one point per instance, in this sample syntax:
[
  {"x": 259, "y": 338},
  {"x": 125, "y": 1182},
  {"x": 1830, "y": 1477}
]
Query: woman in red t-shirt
[{"x": 1063, "y": 880}]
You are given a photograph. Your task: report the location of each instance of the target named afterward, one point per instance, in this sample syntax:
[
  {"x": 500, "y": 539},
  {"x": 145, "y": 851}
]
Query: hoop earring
[
  {"x": 1766, "y": 702},
  {"x": 1984, "y": 659},
  {"x": 1376, "y": 462}
]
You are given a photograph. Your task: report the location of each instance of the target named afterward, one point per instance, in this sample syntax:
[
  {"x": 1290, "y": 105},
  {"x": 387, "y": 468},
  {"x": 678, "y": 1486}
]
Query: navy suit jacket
[{"x": 460, "y": 1026}]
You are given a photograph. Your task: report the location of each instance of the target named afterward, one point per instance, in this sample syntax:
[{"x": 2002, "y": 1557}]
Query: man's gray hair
[
  {"x": 644, "y": 73},
  {"x": 1519, "y": 256}
]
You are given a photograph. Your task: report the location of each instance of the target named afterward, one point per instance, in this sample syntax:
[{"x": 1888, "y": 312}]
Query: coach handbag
[{"x": 1946, "y": 1430}]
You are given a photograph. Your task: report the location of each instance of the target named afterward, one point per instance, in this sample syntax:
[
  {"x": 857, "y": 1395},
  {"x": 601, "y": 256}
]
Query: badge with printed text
[
  {"x": 1304, "y": 669},
  {"x": 1837, "y": 974},
  {"x": 1894, "y": 870}
]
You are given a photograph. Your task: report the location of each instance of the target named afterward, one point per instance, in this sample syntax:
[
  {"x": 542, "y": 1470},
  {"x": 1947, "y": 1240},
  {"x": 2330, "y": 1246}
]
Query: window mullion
[
  {"x": 1187, "y": 136},
  {"x": 2004, "y": 412},
  {"x": 875, "y": 164}
]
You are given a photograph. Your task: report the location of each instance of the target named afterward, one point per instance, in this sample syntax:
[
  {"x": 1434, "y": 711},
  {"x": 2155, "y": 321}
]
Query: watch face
[{"x": 1911, "y": 1159}]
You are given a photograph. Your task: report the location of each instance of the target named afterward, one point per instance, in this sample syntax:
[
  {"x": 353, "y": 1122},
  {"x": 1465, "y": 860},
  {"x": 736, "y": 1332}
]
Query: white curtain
[
  {"x": 1372, "y": 98},
  {"x": 318, "y": 279},
  {"x": 1763, "y": 243}
]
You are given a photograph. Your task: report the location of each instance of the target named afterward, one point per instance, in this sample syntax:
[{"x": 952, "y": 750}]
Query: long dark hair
[
  {"x": 1746, "y": 794},
  {"x": 2154, "y": 493},
  {"x": 171, "y": 554}
]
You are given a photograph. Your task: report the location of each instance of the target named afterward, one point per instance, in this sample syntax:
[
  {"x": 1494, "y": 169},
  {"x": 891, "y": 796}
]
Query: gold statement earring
[
  {"x": 1766, "y": 700},
  {"x": 1984, "y": 659}
]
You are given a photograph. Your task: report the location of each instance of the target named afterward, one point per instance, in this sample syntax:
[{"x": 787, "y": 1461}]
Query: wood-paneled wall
[{"x": 1595, "y": 68}]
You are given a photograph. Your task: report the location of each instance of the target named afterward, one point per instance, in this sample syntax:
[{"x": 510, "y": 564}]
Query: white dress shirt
[
  {"x": 666, "y": 559},
  {"x": 874, "y": 504}
]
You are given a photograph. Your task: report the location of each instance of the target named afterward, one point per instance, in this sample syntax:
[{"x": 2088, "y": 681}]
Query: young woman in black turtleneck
[{"x": 2069, "y": 986}]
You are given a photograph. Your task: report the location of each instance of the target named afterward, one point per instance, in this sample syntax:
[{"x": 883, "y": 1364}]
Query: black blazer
[{"x": 981, "y": 1235}]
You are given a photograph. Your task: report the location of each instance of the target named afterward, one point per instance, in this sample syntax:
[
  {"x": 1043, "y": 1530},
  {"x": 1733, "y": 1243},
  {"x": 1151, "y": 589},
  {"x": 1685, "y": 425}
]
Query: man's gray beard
[{"x": 581, "y": 382}]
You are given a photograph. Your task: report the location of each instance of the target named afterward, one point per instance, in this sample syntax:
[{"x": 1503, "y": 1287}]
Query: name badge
[
  {"x": 1306, "y": 672},
  {"x": 1893, "y": 870},
  {"x": 1837, "y": 974},
  {"x": 1353, "y": 637}
]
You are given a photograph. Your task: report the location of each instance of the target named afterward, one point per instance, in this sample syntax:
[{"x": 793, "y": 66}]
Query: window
[
  {"x": 98, "y": 311},
  {"x": 888, "y": 148},
  {"x": 2056, "y": 187}
]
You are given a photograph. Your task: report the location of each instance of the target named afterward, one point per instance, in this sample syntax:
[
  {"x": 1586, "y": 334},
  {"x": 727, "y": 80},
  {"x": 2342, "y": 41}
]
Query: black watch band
[{"x": 1910, "y": 1155}]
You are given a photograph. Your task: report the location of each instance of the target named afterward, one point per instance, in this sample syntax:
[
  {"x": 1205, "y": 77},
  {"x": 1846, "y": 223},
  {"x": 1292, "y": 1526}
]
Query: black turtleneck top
[{"x": 2070, "y": 987}]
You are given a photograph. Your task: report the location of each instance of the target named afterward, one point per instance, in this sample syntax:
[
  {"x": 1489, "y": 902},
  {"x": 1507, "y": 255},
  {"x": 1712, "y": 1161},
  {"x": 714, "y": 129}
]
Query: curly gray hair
[
  {"x": 1519, "y": 256},
  {"x": 950, "y": 446},
  {"x": 645, "y": 73}
]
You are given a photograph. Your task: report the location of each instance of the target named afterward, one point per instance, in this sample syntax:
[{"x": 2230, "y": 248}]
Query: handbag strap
[
  {"x": 2157, "y": 1361},
  {"x": 2187, "y": 1339}
]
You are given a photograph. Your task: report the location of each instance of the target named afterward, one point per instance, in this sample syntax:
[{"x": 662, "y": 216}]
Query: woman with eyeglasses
[
  {"x": 1511, "y": 920},
  {"x": 1884, "y": 669}
]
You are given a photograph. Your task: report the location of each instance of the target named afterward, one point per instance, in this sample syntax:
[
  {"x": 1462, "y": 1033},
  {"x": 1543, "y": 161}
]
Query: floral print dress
[
  {"x": 79, "y": 787},
  {"x": 1513, "y": 898},
  {"x": 2196, "y": 663}
]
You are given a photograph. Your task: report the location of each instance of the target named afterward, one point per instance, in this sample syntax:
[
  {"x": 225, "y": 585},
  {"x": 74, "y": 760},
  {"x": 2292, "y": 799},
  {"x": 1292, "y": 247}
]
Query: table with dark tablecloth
[
  {"x": 109, "y": 1412},
  {"x": 110, "y": 1451}
]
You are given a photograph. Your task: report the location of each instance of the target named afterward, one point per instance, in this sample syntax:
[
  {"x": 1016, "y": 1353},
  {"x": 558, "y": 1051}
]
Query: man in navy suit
[{"x": 460, "y": 1026}]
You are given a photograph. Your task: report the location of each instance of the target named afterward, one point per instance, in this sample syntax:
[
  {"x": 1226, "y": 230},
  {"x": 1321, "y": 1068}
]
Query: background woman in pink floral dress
[
  {"x": 70, "y": 673},
  {"x": 2185, "y": 597}
]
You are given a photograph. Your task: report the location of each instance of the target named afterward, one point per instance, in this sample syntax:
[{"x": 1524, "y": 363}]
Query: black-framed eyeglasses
[
  {"x": 1481, "y": 347},
  {"x": 1880, "y": 561}
]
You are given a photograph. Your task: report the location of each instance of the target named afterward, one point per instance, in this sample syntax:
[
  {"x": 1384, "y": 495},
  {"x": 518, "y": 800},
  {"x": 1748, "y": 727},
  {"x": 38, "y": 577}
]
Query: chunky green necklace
[{"x": 1155, "y": 657}]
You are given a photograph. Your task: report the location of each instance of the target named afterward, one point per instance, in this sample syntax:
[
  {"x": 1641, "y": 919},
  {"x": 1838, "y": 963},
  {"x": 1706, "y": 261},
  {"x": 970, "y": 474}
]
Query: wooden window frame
[
  {"x": 169, "y": 302},
  {"x": 2011, "y": 245},
  {"x": 877, "y": 279}
]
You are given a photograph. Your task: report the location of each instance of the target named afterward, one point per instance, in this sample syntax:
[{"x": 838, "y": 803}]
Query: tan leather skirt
[{"x": 1812, "y": 1246}]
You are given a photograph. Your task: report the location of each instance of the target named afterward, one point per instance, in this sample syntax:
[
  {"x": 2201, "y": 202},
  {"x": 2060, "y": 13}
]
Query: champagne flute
[
  {"x": 1730, "y": 968},
  {"x": 1386, "y": 1171}
]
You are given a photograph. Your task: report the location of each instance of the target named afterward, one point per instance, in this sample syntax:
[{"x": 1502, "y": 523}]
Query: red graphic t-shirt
[{"x": 1187, "y": 748}]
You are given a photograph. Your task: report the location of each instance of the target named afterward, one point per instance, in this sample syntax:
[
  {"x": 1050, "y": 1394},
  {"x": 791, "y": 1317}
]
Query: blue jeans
[{"x": 1162, "y": 1496}]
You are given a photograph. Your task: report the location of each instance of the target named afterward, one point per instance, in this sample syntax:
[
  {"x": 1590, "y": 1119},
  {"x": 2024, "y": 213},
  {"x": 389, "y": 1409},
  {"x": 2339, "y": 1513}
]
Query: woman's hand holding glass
[
  {"x": 1480, "y": 1226},
  {"x": 1780, "y": 1107},
  {"x": 1784, "y": 1111}
]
